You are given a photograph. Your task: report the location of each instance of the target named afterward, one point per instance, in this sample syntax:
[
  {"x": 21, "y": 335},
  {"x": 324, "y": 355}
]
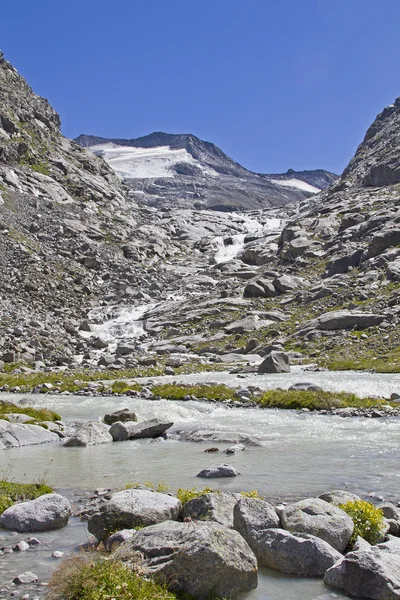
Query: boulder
[
  {"x": 366, "y": 574},
  {"x": 251, "y": 323},
  {"x": 338, "y": 497},
  {"x": 235, "y": 449},
  {"x": 251, "y": 516},
  {"x": 135, "y": 431},
  {"x": 90, "y": 433},
  {"x": 275, "y": 362},
  {"x": 228, "y": 437},
  {"x": 221, "y": 470},
  {"x": 25, "y": 578},
  {"x": 345, "y": 319},
  {"x": 202, "y": 559},
  {"x": 120, "y": 415},
  {"x": 304, "y": 386},
  {"x": 293, "y": 553},
  {"x": 216, "y": 507},
  {"x": 130, "y": 508},
  {"x": 16, "y": 435},
  {"x": 382, "y": 240},
  {"x": 117, "y": 538},
  {"x": 319, "y": 518},
  {"x": 289, "y": 283},
  {"x": 45, "y": 513}
]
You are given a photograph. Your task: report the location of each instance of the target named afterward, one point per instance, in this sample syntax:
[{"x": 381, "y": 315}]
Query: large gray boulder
[
  {"x": 338, "y": 497},
  {"x": 367, "y": 574},
  {"x": 251, "y": 516},
  {"x": 120, "y": 415},
  {"x": 275, "y": 362},
  {"x": 293, "y": 553},
  {"x": 221, "y": 470},
  {"x": 130, "y": 508},
  {"x": 202, "y": 559},
  {"x": 345, "y": 319},
  {"x": 45, "y": 513},
  {"x": 216, "y": 507},
  {"x": 383, "y": 239},
  {"x": 317, "y": 517},
  {"x": 16, "y": 435},
  {"x": 130, "y": 430},
  {"x": 90, "y": 433}
]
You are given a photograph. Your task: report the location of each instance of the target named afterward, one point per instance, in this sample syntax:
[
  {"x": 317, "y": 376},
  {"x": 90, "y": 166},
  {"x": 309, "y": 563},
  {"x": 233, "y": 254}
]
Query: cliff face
[{"x": 377, "y": 160}]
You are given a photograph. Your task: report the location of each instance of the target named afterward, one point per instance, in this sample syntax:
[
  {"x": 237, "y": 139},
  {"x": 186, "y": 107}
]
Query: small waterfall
[{"x": 123, "y": 323}]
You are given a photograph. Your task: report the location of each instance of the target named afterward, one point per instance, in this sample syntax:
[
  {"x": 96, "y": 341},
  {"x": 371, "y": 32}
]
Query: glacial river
[{"x": 302, "y": 454}]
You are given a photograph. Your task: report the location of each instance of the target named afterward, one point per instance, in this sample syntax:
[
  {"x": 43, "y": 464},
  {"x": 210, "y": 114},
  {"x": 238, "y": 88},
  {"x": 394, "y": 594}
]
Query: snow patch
[
  {"x": 146, "y": 163},
  {"x": 296, "y": 183}
]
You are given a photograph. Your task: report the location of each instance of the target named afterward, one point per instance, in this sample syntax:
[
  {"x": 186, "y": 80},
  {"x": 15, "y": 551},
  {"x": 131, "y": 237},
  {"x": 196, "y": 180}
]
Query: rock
[
  {"x": 33, "y": 542},
  {"x": 91, "y": 433},
  {"x": 21, "y": 547},
  {"x": 244, "y": 325},
  {"x": 99, "y": 343},
  {"x": 216, "y": 507},
  {"x": 366, "y": 574},
  {"x": 221, "y": 470},
  {"x": 361, "y": 544},
  {"x": 134, "y": 431},
  {"x": 382, "y": 240},
  {"x": 229, "y": 437},
  {"x": 130, "y": 508},
  {"x": 117, "y": 538},
  {"x": 345, "y": 319},
  {"x": 202, "y": 559},
  {"x": 289, "y": 283},
  {"x": 293, "y": 553},
  {"x": 319, "y": 518},
  {"x": 308, "y": 387},
  {"x": 338, "y": 497},
  {"x": 235, "y": 449},
  {"x": 45, "y": 513},
  {"x": 120, "y": 415},
  {"x": 251, "y": 516},
  {"x": 58, "y": 554},
  {"x": 275, "y": 362},
  {"x": 124, "y": 349},
  {"x": 25, "y": 578},
  {"x": 16, "y": 435}
]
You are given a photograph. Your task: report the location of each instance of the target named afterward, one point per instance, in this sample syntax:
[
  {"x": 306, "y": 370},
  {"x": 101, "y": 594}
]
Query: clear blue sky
[{"x": 274, "y": 83}]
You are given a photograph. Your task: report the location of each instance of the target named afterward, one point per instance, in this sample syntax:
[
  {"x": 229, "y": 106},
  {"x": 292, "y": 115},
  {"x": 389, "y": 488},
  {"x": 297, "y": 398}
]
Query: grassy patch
[
  {"x": 162, "y": 486},
  {"x": 11, "y": 492},
  {"x": 37, "y": 414},
  {"x": 82, "y": 578},
  {"x": 320, "y": 400},
  {"x": 171, "y": 391}
]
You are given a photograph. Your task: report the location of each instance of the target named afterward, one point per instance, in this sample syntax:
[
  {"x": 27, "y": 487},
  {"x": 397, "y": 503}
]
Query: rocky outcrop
[
  {"x": 201, "y": 559},
  {"x": 45, "y": 513}
]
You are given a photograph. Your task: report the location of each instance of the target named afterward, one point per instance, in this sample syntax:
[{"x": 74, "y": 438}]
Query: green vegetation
[
  {"x": 83, "y": 578},
  {"x": 179, "y": 392},
  {"x": 40, "y": 167},
  {"x": 37, "y": 414},
  {"x": 186, "y": 494},
  {"x": 11, "y": 492},
  {"x": 162, "y": 486},
  {"x": 319, "y": 400},
  {"x": 368, "y": 521},
  {"x": 252, "y": 494}
]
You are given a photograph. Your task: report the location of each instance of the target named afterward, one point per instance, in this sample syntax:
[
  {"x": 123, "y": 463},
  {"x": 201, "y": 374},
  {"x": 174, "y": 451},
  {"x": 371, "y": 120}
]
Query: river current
[{"x": 302, "y": 454}]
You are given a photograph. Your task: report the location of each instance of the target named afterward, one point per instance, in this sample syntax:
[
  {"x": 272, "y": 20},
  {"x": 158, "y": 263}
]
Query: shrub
[
  {"x": 186, "y": 494},
  {"x": 252, "y": 494},
  {"x": 82, "y": 578},
  {"x": 368, "y": 520}
]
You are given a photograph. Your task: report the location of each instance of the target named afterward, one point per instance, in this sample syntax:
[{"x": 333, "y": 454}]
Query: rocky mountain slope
[
  {"x": 92, "y": 276},
  {"x": 180, "y": 170}
]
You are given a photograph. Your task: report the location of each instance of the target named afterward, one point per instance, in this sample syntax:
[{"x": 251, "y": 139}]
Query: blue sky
[{"x": 274, "y": 83}]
